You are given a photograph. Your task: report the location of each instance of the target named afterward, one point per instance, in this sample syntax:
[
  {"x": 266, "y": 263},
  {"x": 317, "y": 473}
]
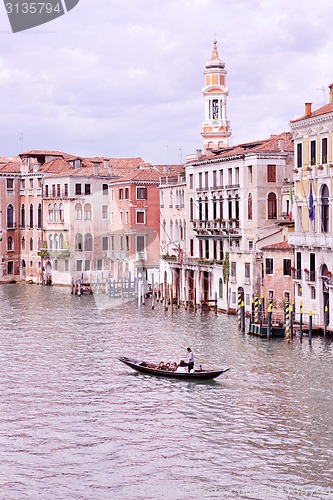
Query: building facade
[{"x": 312, "y": 239}]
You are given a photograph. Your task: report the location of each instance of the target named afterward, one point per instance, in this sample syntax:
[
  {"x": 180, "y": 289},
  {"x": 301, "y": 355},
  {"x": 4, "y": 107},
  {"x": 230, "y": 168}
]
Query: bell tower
[{"x": 215, "y": 128}]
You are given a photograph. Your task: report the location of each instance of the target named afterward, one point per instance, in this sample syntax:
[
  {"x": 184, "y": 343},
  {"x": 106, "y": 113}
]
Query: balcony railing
[
  {"x": 310, "y": 275},
  {"x": 296, "y": 274},
  {"x": 318, "y": 240},
  {"x": 217, "y": 225},
  {"x": 141, "y": 255}
]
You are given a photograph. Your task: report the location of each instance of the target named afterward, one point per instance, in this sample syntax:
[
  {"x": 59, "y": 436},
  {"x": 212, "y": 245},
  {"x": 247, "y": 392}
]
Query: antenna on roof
[
  {"x": 181, "y": 155},
  {"x": 21, "y": 140},
  {"x": 323, "y": 90}
]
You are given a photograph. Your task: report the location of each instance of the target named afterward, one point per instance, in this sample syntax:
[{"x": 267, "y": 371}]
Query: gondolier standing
[{"x": 190, "y": 359}]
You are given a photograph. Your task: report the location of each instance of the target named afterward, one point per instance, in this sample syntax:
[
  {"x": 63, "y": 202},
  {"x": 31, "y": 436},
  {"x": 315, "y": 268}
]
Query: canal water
[{"x": 75, "y": 423}]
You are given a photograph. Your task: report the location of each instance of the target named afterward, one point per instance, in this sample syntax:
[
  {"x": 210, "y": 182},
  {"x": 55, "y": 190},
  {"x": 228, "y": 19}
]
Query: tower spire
[{"x": 215, "y": 128}]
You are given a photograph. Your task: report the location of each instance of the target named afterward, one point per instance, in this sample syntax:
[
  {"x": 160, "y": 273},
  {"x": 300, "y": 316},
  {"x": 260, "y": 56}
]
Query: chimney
[
  {"x": 198, "y": 154},
  {"x": 106, "y": 163},
  {"x": 281, "y": 145},
  {"x": 110, "y": 170},
  {"x": 331, "y": 92},
  {"x": 308, "y": 109},
  {"x": 165, "y": 169},
  {"x": 77, "y": 163}
]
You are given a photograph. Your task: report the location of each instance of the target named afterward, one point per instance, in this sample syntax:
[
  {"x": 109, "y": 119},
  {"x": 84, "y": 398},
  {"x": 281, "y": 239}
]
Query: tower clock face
[{"x": 215, "y": 109}]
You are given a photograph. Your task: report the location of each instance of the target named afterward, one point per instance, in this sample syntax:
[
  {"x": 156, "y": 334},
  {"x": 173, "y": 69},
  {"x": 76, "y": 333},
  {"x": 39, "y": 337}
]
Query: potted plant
[
  {"x": 320, "y": 167},
  {"x": 306, "y": 270}
]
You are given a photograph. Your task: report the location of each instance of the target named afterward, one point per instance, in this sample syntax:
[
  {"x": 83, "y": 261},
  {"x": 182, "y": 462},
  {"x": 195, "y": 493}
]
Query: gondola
[{"x": 142, "y": 367}]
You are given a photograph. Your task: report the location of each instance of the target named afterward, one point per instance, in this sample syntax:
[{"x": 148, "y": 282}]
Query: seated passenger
[
  {"x": 161, "y": 366},
  {"x": 173, "y": 366}
]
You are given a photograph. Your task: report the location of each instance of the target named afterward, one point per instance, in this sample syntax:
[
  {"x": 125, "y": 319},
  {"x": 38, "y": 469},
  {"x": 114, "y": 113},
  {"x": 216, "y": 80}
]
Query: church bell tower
[{"x": 215, "y": 128}]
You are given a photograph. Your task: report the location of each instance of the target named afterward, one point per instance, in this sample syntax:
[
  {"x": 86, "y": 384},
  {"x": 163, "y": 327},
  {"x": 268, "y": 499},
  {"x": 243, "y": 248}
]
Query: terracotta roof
[
  {"x": 10, "y": 165},
  {"x": 272, "y": 144},
  {"x": 148, "y": 173},
  {"x": 328, "y": 108},
  {"x": 45, "y": 152},
  {"x": 282, "y": 245}
]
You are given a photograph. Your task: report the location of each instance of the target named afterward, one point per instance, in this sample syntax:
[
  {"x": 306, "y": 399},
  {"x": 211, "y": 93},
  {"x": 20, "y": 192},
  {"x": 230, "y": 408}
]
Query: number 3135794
[{"x": 33, "y": 8}]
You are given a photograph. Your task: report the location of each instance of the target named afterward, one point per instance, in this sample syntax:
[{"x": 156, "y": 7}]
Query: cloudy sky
[{"x": 124, "y": 78}]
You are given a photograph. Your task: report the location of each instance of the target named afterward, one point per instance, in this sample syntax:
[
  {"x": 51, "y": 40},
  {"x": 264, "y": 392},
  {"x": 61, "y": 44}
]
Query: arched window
[
  {"x": 88, "y": 242},
  {"x": 200, "y": 209},
  {"x": 206, "y": 208},
  {"x": 191, "y": 210},
  {"x": 171, "y": 199},
  {"x": 50, "y": 212},
  {"x": 78, "y": 243},
  {"x": 164, "y": 235},
  {"x": 61, "y": 241},
  {"x": 31, "y": 216},
  {"x": 39, "y": 216},
  {"x": 56, "y": 212},
  {"x": 61, "y": 212},
  {"x": 221, "y": 208},
  {"x": 249, "y": 207},
  {"x": 271, "y": 206},
  {"x": 23, "y": 243},
  {"x": 87, "y": 211},
  {"x": 10, "y": 216},
  {"x": 23, "y": 216},
  {"x": 50, "y": 242},
  {"x": 10, "y": 246},
  {"x": 78, "y": 211},
  {"x": 214, "y": 208},
  {"x": 325, "y": 213},
  {"x": 176, "y": 231},
  {"x": 56, "y": 242},
  {"x": 162, "y": 198},
  {"x": 31, "y": 243}
]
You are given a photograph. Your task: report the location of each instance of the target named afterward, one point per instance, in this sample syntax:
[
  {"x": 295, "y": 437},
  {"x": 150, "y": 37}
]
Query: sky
[{"x": 124, "y": 78}]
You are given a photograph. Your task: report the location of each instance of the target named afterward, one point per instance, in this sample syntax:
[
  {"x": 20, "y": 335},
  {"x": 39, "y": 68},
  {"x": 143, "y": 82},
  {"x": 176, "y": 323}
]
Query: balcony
[
  {"x": 141, "y": 256},
  {"x": 310, "y": 276},
  {"x": 217, "y": 226},
  {"x": 312, "y": 240},
  {"x": 296, "y": 274}
]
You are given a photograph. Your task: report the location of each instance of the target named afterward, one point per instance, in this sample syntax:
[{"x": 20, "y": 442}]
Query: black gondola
[{"x": 142, "y": 367}]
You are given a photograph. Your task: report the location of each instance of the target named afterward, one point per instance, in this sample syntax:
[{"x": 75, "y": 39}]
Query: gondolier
[{"x": 190, "y": 359}]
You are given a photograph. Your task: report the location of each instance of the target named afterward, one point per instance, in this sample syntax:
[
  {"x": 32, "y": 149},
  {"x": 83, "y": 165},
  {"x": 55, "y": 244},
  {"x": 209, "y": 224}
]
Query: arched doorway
[
  {"x": 23, "y": 269},
  {"x": 326, "y": 291},
  {"x": 48, "y": 273}
]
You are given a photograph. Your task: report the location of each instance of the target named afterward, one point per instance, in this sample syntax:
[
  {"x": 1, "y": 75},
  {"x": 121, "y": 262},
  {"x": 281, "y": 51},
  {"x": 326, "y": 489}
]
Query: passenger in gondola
[
  {"x": 173, "y": 366},
  {"x": 161, "y": 366}
]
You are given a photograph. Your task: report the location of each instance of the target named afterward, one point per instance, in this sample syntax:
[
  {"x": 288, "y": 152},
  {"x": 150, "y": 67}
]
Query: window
[
  {"x": 126, "y": 193},
  {"x": 87, "y": 189},
  {"x": 121, "y": 194},
  {"x": 104, "y": 211},
  {"x": 313, "y": 152},
  {"x": 250, "y": 245},
  {"x": 206, "y": 180},
  {"x": 200, "y": 249},
  {"x": 78, "y": 189},
  {"x": 61, "y": 241},
  {"x": 191, "y": 247},
  {"x": 140, "y": 217},
  {"x": 271, "y": 173},
  {"x": 46, "y": 191},
  {"x": 78, "y": 211},
  {"x": 39, "y": 216},
  {"x": 121, "y": 217},
  {"x": 324, "y": 150},
  {"x": 66, "y": 190},
  {"x": 58, "y": 190},
  {"x": 10, "y": 185},
  {"x": 206, "y": 249},
  {"x": 23, "y": 243},
  {"x": 53, "y": 189},
  {"x": 87, "y": 211},
  {"x": 105, "y": 189},
  {"x": 56, "y": 212},
  {"x": 105, "y": 243},
  {"x": 23, "y": 216},
  {"x": 299, "y": 156},
  {"x": 269, "y": 266},
  {"x": 127, "y": 217},
  {"x": 127, "y": 243},
  {"x": 191, "y": 181},
  {"x": 88, "y": 242},
  {"x": 78, "y": 242},
  {"x": 141, "y": 193},
  {"x": 200, "y": 180},
  {"x": 247, "y": 270},
  {"x": 249, "y": 207},
  {"x": 56, "y": 242},
  {"x": 286, "y": 267},
  {"x": 10, "y": 267},
  {"x": 221, "y": 288},
  {"x": 271, "y": 206},
  {"x": 140, "y": 244},
  {"x": 191, "y": 209},
  {"x": 99, "y": 264},
  {"x": 233, "y": 269},
  {"x": 214, "y": 178},
  {"x": 221, "y": 178},
  {"x": 31, "y": 244},
  {"x": 79, "y": 265},
  {"x": 10, "y": 246},
  {"x": 61, "y": 212},
  {"x": 22, "y": 185},
  {"x": 10, "y": 216},
  {"x": 31, "y": 216},
  {"x": 313, "y": 292},
  {"x": 87, "y": 265}
]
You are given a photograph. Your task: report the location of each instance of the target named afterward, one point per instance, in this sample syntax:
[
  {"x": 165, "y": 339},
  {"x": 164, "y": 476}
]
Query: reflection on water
[{"x": 76, "y": 423}]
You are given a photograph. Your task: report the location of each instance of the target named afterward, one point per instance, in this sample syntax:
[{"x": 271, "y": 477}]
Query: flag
[
  {"x": 311, "y": 206},
  {"x": 291, "y": 202}
]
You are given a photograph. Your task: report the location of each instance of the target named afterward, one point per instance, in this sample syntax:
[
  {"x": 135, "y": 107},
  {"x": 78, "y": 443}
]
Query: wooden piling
[
  {"x": 310, "y": 327},
  {"x": 301, "y": 321}
]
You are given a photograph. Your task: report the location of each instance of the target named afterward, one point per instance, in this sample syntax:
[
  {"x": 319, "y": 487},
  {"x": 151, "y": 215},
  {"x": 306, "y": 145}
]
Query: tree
[{"x": 226, "y": 275}]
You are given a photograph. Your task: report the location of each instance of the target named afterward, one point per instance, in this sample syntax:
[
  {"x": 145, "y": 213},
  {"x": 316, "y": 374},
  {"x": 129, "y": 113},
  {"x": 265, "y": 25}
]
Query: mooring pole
[
  {"x": 269, "y": 321},
  {"x": 301, "y": 321},
  {"x": 325, "y": 320},
  {"x": 243, "y": 317},
  {"x": 310, "y": 327}
]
